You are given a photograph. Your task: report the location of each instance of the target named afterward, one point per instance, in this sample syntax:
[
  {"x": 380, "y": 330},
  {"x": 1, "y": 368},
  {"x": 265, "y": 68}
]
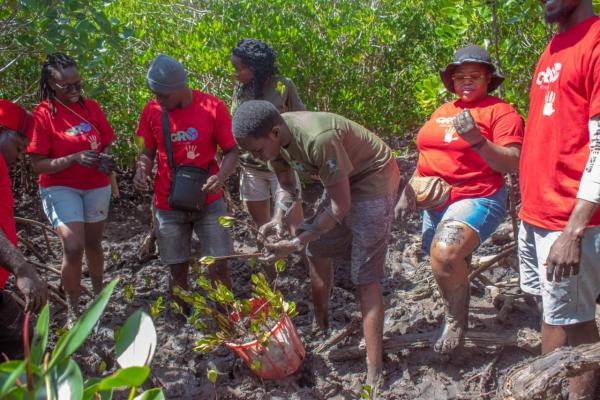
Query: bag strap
[
  {"x": 79, "y": 116},
  {"x": 167, "y": 137}
]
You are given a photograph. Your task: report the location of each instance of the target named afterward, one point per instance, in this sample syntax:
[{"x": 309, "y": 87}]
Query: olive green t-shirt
[
  {"x": 333, "y": 147},
  {"x": 282, "y": 93}
]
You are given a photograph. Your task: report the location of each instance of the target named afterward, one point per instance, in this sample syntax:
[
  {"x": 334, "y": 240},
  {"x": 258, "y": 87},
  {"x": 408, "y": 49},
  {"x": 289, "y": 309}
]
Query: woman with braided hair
[
  {"x": 257, "y": 79},
  {"x": 70, "y": 150}
]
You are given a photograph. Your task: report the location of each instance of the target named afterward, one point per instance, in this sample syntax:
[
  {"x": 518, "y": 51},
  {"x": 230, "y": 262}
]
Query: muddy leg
[
  {"x": 452, "y": 244},
  {"x": 321, "y": 278},
  {"x": 372, "y": 308},
  {"x": 72, "y": 236}
]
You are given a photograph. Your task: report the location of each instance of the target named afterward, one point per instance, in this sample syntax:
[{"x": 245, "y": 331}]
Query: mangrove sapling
[{"x": 55, "y": 375}]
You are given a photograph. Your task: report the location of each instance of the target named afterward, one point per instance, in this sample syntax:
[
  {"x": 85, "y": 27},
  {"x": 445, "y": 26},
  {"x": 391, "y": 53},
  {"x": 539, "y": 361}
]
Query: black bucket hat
[{"x": 471, "y": 54}]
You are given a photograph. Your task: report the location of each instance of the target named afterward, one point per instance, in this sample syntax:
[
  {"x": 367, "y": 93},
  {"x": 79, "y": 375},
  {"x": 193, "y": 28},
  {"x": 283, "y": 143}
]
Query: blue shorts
[
  {"x": 482, "y": 214},
  {"x": 571, "y": 300},
  {"x": 174, "y": 233},
  {"x": 63, "y": 204}
]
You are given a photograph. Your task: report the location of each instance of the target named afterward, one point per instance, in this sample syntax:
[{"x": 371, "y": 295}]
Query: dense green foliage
[{"x": 374, "y": 61}]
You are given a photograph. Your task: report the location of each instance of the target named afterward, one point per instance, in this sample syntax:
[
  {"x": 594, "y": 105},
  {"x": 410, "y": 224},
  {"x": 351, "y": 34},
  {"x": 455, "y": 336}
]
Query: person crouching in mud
[{"x": 354, "y": 218}]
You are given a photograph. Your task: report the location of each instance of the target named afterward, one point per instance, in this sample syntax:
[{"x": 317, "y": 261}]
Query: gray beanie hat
[{"x": 166, "y": 75}]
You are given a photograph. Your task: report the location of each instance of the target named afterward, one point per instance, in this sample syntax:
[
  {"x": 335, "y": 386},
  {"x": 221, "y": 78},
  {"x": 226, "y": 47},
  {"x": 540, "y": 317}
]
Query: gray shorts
[
  {"x": 363, "y": 237},
  {"x": 258, "y": 185},
  {"x": 573, "y": 299},
  {"x": 174, "y": 233}
]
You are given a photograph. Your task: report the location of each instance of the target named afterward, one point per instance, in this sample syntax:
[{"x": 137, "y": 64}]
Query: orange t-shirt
[
  {"x": 443, "y": 153},
  {"x": 564, "y": 96}
]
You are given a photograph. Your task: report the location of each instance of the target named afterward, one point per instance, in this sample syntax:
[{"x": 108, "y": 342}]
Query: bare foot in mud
[
  {"x": 375, "y": 381},
  {"x": 451, "y": 336}
]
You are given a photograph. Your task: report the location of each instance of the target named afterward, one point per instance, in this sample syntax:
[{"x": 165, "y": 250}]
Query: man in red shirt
[
  {"x": 559, "y": 239},
  {"x": 197, "y": 124},
  {"x": 13, "y": 121}
]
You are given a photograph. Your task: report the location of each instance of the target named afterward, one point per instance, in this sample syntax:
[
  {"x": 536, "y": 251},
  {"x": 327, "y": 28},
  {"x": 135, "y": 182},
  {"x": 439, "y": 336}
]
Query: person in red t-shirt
[
  {"x": 197, "y": 124},
  {"x": 470, "y": 143},
  {"x": 559, "y": 238},
  {"x": 70, "y": 150},
  {"x": 13, "y": 140}
]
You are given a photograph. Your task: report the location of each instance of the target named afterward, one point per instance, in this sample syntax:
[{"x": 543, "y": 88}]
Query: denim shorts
[
  {"x": 174, "y": 233},
  {"x": 571, "y": 300},
  {"x": 482, "y": 214},
  {"x": 363, "y": 237},
  {"x": 258, "y": 185},
  {"x": 63, "y": 204}
]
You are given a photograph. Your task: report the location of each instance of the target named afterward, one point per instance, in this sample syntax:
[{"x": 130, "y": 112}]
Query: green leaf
[
  {"x": 280, "y": 265},
  {"x": 40, "y": 336},
  {"x": 256, "y": 365},
  {"x": 125, "y": 378},
  {"x": 69, "y": 380},
  {"x": 212, "y": 375},
  {"x": 152, "y": 394},
  {"x": 226, "y": 221},
  {"x": 366, "y": 392},
  {"x": 137, "y": 342},
  {"x": 207, "y": 260},
  {"x": 252, "y": 261},
  {"x": 82, "y": 328},
  {"x": 13, "y": 369}
]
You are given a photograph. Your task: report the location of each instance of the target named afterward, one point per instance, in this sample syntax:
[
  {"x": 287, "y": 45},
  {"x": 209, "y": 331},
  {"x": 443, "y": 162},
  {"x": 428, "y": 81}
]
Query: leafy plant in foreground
[{"x": 54, "y": 374}]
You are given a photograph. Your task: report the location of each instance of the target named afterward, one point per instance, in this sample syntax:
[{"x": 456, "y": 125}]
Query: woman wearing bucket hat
[{"x": 468, "y": 143}]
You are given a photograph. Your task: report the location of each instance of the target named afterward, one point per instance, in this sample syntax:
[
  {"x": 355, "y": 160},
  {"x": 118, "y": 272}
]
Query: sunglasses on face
[
  {"x": 474, "y": 77},
  {"x": 69, "y": 86}
]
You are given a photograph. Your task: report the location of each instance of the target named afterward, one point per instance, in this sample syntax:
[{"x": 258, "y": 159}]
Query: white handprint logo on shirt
[
  {"x": 93, "y": 142},
  {"x": 449, "y": 136},
  {"x": 549, "y": 104},
  {"x": 191, "y": 152}
]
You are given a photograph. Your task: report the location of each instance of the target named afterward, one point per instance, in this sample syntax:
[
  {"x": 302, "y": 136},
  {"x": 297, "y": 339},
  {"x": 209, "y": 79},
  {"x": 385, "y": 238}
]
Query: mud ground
[{"x": 413, "y": 306}]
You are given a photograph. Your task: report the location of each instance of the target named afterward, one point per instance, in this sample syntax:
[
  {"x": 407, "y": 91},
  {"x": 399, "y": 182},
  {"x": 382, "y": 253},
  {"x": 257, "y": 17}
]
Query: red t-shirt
[
  {"x": 65, "y": 134},
  {"x": 564, "y": 96},
  {"x": 7, "y": 221},
  {"x": 443, "y": 153},
  {"x": 196, "y": 130}
]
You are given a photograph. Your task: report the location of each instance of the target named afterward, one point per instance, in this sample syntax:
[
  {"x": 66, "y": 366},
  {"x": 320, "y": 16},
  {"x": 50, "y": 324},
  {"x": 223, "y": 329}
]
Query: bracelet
[{"x": 478, "y": 145}]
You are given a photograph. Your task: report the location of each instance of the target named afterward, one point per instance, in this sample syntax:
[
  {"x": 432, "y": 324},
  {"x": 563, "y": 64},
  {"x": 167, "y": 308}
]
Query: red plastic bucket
[{"x": 283, "y": 354}]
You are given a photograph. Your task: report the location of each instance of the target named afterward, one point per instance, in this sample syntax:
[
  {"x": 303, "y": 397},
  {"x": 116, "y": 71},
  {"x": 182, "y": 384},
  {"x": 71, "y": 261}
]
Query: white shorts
[
  {"x": 573, "y": 299},
  {"x": 258, "y": 185}
]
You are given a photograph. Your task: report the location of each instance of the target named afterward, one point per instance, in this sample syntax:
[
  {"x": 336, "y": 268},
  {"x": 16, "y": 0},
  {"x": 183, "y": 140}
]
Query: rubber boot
[{"x": 456, "y": 307}]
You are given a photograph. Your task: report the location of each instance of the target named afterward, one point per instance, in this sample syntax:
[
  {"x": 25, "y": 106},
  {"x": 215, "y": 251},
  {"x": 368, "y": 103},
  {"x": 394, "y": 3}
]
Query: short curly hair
[
  {"x": 255, "y": 119},
  {"x": 260, "y": 58}
]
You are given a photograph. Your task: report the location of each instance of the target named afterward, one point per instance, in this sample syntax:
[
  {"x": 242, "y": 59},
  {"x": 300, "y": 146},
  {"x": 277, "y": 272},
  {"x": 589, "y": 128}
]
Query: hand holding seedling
[{"x": 407, "y": 203}]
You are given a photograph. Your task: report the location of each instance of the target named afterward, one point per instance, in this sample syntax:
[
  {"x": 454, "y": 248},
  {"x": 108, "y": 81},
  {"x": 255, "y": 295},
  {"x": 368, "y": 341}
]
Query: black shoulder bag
[{"x": 186, "y": 180}]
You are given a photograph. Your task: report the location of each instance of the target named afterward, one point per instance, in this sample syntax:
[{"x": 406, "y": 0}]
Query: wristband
[{"x": 478, "y": 145}]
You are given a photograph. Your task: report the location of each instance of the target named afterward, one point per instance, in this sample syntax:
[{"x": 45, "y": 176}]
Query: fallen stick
[
  {"x": 485, "y": 265},
  {"x": 234, "y": 256},
  {"x": 541, "y": 378},
  {"x": 487, "y": 374},
  {"x": 352, "y": 327},
  {"x": 31, "y": 248},
  {"x": 489, "y": 342},
  {"x": 57, "y": 298}
]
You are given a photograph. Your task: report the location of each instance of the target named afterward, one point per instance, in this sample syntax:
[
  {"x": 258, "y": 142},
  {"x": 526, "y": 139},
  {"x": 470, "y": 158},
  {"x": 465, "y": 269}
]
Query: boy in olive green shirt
[{"x": 361, "y": 179}]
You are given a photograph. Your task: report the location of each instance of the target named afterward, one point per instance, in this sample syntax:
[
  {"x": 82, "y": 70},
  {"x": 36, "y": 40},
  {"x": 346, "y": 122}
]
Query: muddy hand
[
  {"x": 87, "y": 158},
  {"x": 279, "y": 250},
  {"x": 466, "y": 127},
  {"x": 32, "y": 287},
  {"x": 143, "y": 170},
  {"x": 107, "y": 163},
  {"x": 213, "y": 184},
  {"x": 407, "y": 203},
  {"x": 274, "y": 227},
  {"x": 563, "y": 258}
]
